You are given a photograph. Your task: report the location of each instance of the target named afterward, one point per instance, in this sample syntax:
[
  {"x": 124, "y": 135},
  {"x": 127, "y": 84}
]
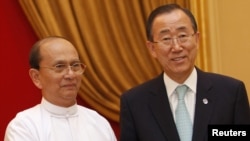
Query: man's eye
[
  {"x": 76, "y": 65},
  {"x": 182, "y": 36},
  {"x": 60, "y": 66},
  {"x": 167, "y": 39}
]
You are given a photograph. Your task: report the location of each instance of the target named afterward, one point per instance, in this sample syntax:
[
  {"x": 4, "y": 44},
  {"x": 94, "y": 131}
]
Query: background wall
[
  {"x": 229, "y": 22},
  {"x": 17, "y": 91}
]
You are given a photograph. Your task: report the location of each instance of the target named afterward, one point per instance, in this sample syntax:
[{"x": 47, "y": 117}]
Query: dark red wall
[{"x": 17, "y": 90}]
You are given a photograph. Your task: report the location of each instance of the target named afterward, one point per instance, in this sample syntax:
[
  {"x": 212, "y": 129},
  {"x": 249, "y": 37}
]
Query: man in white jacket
[{"x": 57, "y": 70}]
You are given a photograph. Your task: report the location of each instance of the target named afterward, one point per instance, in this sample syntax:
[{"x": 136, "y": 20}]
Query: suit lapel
[
  {"x": 203, "y": 107},
  {"x": 160, "y": 108}
]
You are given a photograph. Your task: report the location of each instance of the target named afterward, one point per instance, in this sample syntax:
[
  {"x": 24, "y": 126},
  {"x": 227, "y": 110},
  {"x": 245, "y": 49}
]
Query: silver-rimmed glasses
[
  {"x": 180, "y": 39},
  {"x": 78, "y": 68}
]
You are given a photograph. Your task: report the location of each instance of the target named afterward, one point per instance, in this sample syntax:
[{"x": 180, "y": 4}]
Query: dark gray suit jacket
[{"x": 146, "y": 114}]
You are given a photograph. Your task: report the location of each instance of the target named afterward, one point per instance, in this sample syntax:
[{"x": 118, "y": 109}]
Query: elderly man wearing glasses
[{"x": 57, "y": 70}]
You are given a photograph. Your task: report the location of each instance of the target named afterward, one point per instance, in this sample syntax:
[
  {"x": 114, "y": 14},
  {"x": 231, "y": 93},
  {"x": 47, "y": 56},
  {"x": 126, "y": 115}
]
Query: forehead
[
  {"x": 58, "y": 49},
  {"x": 174, "y": 21}
]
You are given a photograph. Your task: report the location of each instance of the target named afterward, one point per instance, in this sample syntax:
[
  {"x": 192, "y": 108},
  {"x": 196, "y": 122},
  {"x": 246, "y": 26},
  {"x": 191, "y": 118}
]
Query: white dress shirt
[
  {"x": 48, "y": 122},
  {"x": 190, "y": 96}
]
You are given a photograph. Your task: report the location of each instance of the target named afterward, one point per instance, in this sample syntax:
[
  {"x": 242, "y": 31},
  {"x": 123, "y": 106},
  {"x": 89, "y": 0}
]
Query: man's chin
[{"x": 70, "y": 94}]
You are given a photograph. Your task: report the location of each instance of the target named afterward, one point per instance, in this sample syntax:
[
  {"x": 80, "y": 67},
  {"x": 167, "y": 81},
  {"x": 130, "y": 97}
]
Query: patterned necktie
[{"x": 183, "y": 121}]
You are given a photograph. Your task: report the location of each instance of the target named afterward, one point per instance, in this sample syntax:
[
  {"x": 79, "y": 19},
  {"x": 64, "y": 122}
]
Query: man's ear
[
  {"x": 35, "y": 77},
  {"x": 151, "y": 48}
]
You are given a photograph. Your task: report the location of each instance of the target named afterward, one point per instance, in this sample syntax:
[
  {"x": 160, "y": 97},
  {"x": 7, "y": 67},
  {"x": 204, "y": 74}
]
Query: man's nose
[{"x": 175, "y": 43}]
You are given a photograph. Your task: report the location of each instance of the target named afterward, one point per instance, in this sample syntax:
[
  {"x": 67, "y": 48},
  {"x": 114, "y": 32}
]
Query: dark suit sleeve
[
  {"x": 242, "y": 106},
  {"x": 127, "y": 128}
]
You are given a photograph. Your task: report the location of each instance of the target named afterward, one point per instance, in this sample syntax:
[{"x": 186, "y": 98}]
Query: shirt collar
[
  {"x": 57, "y": 110},
  {"x": 170, "y": 84}
]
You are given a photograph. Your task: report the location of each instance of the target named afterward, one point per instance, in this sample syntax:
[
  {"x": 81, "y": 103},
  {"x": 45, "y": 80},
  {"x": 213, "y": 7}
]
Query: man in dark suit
[{"x": 148, "y": 110}]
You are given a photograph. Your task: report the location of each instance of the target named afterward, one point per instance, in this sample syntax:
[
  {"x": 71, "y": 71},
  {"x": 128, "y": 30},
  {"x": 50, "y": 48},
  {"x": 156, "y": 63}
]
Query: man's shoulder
[
  {"x": 91, "y": 115},
  {"x": 219, "y": 77},
  {"x": 32, "y": 111},
  {"x": 88, "y": 111},
  {"x": 148, "y": 86},
  {"x": 27, "y": 117}
]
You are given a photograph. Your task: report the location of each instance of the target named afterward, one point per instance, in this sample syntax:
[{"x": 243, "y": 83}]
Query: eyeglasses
[
  {"x": 180, "y": 39},
  {"x": 78, "y": 68}
]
